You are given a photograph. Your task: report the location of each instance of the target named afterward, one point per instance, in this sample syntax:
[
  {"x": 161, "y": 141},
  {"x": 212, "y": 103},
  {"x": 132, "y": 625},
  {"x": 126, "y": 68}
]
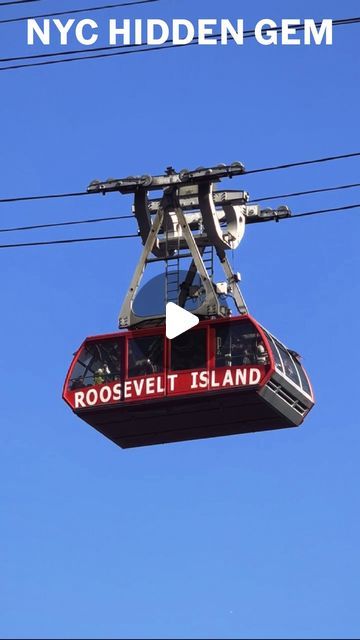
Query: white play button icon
[{"x": 178, "y": 320}]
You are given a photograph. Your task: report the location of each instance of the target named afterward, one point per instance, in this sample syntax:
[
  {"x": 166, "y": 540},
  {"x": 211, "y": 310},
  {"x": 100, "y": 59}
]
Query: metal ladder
[
  {"x": 172, "y": 279},
  {"x": 208, "y": 260}
]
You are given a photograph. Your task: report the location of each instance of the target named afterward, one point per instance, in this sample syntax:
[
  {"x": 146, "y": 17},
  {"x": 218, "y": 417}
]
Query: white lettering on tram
[
  {"x": 254, "y": 376},
  {"x": 194, "y": 378},
  {"x": 117, "y": 392},
  {"x": 171, "y": 380},
  {"x": 147, "y": 387},
  {"x": 105, "y": 394},
  {"x": 203, "y": 379},
  {"x": 138, "y": 386},
  {"x": 213, "y": 381}
]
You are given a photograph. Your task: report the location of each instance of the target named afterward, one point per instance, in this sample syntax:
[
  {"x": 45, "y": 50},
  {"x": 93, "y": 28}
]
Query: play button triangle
[{"x": 178, "y": 320}]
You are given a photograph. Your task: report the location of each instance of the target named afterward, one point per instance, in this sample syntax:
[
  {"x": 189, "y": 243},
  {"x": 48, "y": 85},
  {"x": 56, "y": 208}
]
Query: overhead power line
[
  {"x": 132, "y": 49},
  {"x": 46, "y": 243},
  {"x": 302, "y": 163},
  {"x": 70, "y": 12}
]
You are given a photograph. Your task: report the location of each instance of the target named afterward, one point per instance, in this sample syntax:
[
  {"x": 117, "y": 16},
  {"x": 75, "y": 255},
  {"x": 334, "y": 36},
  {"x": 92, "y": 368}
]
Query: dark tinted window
[
  {"x": 275, "y": 353},
  {"x": 146, "y": 356},
  {"x": 188, "y": 351},
  {"x": 289, "y": 368},
  {"x": 304, "y": 381},
  {"x": 98, "y": 363},
  {"x": 238, "y": 344}
]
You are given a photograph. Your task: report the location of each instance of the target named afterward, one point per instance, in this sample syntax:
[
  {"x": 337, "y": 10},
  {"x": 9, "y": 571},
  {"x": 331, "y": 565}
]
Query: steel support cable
[
  {"x": 50, "y": 196},
  {"x": 9, "y": 3},
  {"x": 300, "y": 164},
  {"x": 69, "y": 223},
  {"x": 131, "y": 49},
  {"x": 123, "y": 237},
  {"x": 69, "y": 241},
  {"x": 70, "y": 12},
  {"x": 320, "y": 211},
  {"x": 305, "y": 193},
  {"x": 77, "y": 194}
]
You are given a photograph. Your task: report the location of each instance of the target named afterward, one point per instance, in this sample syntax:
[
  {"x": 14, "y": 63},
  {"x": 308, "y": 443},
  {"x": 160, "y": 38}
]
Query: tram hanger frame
[{"x": 187, "y": 217}]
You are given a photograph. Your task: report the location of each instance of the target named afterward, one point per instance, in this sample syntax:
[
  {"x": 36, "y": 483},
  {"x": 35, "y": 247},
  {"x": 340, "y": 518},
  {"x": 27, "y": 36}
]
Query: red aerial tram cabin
[{"x": 226, "y": 376}]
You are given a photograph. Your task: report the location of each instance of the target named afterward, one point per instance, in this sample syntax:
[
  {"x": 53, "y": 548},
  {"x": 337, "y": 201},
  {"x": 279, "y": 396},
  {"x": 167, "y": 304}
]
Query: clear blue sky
[{"x": 245, "y": 536}]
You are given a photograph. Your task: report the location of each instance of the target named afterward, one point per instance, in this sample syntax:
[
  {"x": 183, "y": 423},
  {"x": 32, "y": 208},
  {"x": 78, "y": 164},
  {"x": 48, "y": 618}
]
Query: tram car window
[
  {"x": 288, "y": 364},
  {"x": 188, "y": 351},
  {"x": 275, "y": 353},
  {"x": 238, "y": 344},
  {"x": 97, "y": 363},
  {"x": 146, "y": 356},
  {"x": 303, "y": 378}
]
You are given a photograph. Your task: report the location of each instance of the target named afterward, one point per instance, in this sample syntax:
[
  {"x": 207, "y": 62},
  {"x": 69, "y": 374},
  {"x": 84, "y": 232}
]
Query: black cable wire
[
  {"x": 51, "y": 196},
  {"x": 302, "y": 163},
  {"x": 13, "y": 2},
  {"x": 304, "y": 193},
  {"x": 133, "y": 48},
  {"x": 69, "y": 223},
  {"x": 122, "y": 237},
  {"x": 70, "y": 241},
  {"x": 52, "y": 225},
  {"x": 319, "y": 211},
  {"x": 262, "y": 170},
  {"x": 74, "y": 11}
]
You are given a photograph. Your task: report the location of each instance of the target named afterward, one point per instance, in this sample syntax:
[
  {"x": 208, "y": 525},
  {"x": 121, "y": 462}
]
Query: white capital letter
[
  {"x": 171, "y": 380},
  {"x": 117, "y": 391},
  {"x": 194, "y": 376},
  {"x": 236, "y": 34},
  {"x": 288, "y": 30},
  {"x": 119, "y": 31},
  {"x": 79, "y": 399},
  {"x": 271, "y": 35},
  {"x": 190, "y": 32},
  {"x": 80, "y": 32},
  {"x": 318, "y": 36},
  {"x": 138, "y": 31},
  {"x": 255, "y": 376},
  {"x": 63, "y": 29},
  {"x": 204, "y": 30},
  {"x": 42, "y": 33},
  {"x": 151, "y": 39}
]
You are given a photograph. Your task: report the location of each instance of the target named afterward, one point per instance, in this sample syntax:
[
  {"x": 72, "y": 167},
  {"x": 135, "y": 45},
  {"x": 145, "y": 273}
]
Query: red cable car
[
  {"x": 223, "y": 377},
  {"x": 226, "y": 376}
]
